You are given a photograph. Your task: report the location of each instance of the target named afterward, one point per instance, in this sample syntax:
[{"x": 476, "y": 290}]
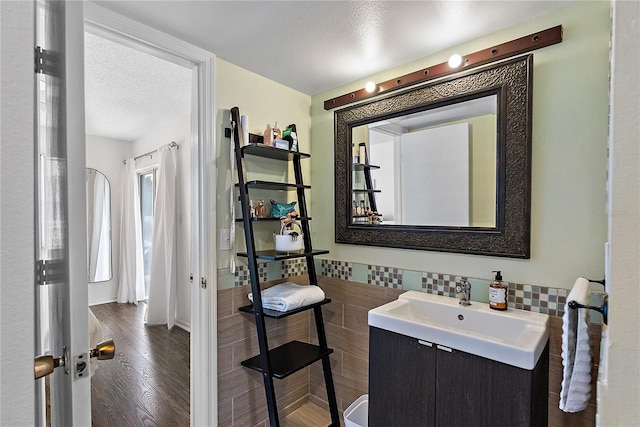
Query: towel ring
[{"x": 603, "y": 309}]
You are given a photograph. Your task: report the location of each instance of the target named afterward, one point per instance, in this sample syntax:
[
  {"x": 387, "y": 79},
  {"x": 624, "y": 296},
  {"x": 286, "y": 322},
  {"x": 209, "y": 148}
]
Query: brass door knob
[
  {"x": 105, "y": 350},
  {"x": 44, "y": 365}
]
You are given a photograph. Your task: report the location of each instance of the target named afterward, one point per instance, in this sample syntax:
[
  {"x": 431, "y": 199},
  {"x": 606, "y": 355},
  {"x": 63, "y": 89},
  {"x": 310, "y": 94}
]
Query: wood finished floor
[
  {"x": 308, "y": 415},
  {"x": 147, "y": 382}
]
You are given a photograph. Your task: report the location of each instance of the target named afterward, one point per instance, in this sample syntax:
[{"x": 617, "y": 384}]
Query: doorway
[
  {"x": 136, "y": 104},
  {"x": 201, "y": 149}
]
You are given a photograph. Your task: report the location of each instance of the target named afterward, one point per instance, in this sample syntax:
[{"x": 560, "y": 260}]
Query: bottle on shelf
[
  {"x": 277, "y": 134},
  {"x": 268, "y": 136},
  {"x": 261, "y": 209}
]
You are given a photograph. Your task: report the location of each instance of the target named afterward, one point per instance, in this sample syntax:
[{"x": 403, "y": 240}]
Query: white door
[{"x": 61, "y": 286}]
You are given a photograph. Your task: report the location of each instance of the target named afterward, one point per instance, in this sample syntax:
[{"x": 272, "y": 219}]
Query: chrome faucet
[{"x": 463, "y": 289}]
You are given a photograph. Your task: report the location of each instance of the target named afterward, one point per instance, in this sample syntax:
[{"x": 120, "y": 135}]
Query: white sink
[{"x": 514, "y": 337}]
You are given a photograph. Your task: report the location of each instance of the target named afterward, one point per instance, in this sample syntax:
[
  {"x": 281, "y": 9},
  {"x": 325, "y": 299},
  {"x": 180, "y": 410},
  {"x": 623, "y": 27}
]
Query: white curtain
[
  {"x": 131, "y": 287},
  {"x": 162, "y": 288}
]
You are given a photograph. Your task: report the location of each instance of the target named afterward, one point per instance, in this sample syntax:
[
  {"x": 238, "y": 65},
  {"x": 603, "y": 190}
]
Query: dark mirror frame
[{"x": 512, "y": 81}]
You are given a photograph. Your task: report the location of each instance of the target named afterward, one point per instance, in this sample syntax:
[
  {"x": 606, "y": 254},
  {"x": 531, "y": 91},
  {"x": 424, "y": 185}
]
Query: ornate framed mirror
[{"x": 446, "y": 166}]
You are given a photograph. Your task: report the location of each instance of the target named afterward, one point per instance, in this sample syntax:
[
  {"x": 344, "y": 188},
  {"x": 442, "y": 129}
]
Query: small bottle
[
  {"x": 252, "y": 211},
  {"x": 277, "y": 134},
  {"x": 268, "y": 136},
  {"x": 261, "y": 209},
  {"x": 498, "y": 292}
]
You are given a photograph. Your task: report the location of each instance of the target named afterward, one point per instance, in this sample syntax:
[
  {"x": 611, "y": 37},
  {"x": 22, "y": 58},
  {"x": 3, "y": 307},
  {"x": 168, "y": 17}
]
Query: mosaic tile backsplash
[
  {"x": 242, "y": 277},
  {"x": 384, "y": 276},
  {"x": 540, "y": 299}
]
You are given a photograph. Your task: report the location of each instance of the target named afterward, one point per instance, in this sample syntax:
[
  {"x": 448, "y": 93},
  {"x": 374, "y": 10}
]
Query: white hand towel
[
  {"x": 289, "y": 296},
  {"x": 576, "y": 352}
]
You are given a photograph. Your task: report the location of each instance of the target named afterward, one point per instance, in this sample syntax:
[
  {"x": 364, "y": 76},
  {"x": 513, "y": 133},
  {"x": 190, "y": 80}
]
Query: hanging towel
[
  {"x": 289, "y": 296},
  {"x": 576, "y": 352}
]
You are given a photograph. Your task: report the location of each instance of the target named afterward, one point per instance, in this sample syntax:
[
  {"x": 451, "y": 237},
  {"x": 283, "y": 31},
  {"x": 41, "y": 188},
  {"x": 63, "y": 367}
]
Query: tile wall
[
  {"x": 241, "y": 397},
  {"x": 547, "y": 300},
  {"x": 355, "y": 289}
]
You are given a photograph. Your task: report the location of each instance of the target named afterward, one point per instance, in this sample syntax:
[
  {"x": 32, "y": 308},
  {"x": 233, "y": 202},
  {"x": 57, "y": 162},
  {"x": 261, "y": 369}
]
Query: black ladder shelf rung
[
  {"x": 272, "y": 255},
  {"x": 289, "y": 358},
  {"x": 256, "y": 219},
  {"x": 270, "y": 185},
  {"x": 272, "y": 152},
  {"x": 274, "y": 314},
  {"x": 362, "y": 167}
]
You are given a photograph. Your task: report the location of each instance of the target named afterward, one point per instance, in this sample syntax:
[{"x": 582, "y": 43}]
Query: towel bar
[{"x": 603, "y": 309}]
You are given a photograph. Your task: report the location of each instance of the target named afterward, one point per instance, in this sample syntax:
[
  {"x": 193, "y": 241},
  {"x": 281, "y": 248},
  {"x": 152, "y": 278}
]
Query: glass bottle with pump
[{"x": 498, "y": 293}]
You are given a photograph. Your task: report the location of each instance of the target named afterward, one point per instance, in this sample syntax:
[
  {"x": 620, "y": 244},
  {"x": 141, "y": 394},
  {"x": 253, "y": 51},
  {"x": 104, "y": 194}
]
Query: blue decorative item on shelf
[{"x": 281, "y": 209}]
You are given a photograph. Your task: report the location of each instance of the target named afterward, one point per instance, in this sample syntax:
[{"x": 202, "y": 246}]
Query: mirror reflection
[
  {"x": 429, "y": 168},
  {"x": 492, "y": 201},
  {"x": 98, "y": 226}
]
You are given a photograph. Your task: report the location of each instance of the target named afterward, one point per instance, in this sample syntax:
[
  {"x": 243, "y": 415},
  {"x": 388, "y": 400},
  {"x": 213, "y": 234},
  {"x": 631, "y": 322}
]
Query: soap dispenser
[{"x": 498, "y": 293}]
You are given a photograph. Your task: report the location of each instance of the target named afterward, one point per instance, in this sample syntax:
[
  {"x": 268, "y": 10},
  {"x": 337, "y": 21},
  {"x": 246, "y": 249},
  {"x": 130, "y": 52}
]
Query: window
[{"x": 147, "y": 182}]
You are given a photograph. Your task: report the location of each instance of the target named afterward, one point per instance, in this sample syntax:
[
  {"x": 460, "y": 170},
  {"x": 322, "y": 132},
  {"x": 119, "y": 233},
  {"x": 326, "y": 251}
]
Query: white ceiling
[
  {"x": 310, "y": 46},
  {"x": 128, "y": 93}
]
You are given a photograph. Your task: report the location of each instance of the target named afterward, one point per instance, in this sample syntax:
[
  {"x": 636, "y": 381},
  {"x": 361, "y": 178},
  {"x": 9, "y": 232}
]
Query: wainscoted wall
[
  {"x": 241, "y": 397},
  {"x": 355, "y": 289}
]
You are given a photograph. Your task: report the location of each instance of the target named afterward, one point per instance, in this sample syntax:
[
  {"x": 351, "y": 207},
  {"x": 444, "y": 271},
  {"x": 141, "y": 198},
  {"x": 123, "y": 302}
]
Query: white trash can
[{"x": 357, "y": 414}]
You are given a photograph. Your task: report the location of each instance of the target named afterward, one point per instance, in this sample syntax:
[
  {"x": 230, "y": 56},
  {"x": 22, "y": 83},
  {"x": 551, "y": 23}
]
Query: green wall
[
  {"x": 570, "y": 115},
  {"x": 263, "y": 101}
]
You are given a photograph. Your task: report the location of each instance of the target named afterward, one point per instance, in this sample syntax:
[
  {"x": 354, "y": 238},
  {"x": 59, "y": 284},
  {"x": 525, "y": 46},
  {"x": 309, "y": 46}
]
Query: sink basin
[{"x": 514, "y": 337}]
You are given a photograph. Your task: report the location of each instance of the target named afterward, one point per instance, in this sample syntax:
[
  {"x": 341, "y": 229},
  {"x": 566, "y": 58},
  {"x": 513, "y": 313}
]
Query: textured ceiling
[
  {"x": 314, "y": 46},
  {"x": 310, "y": 46},
  {"x": 129, "y": 93}
]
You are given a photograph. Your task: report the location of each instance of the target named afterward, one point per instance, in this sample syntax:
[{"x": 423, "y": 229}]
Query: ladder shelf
[
  {"x": 289, "y": 358},
  {"x": 269, "y": 185},
  {"x": 274, "y": 314},
  {"x": 271, "y": 218},
  {"x": 293, "y": 356},
  {"x": 272, "y": 255},
  {"x": 368, "y": 189}
]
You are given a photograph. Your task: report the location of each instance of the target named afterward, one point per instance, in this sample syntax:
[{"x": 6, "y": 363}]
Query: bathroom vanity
[{"x": 433, "y": 362}]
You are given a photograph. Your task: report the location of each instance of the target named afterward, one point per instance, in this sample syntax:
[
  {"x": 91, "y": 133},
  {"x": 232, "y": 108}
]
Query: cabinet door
[
  {"x": 401, "y": 381},
  {"x": 472, "y": 391}
]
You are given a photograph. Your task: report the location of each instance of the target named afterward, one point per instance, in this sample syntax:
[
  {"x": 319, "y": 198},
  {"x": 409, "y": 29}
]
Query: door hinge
[
  {"x": 44, "y": 61},
  {"x": 50, "y": 272},
  {"x": 203, "y": 283}
]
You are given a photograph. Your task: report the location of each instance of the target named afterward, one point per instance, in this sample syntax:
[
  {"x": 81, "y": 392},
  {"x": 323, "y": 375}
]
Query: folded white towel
[
  {"x": 576, "y": 352},
  {"x": 289, "y": 296}
]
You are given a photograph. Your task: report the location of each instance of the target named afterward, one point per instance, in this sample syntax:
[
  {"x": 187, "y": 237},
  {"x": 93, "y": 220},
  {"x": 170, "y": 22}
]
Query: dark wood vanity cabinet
[
  {"x": 401, "y": 381},
  {"x": 413, "y": 383}
]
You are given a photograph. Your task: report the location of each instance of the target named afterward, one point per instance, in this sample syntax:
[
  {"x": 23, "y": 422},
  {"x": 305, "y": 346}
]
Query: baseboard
[
  {"x": 183, "y": 325},
  {"x": 103, "y": 301}
]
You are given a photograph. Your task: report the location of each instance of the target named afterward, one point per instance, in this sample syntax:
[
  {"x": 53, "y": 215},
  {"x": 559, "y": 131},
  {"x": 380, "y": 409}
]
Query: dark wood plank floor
[{"x": 147, "y": 382}]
